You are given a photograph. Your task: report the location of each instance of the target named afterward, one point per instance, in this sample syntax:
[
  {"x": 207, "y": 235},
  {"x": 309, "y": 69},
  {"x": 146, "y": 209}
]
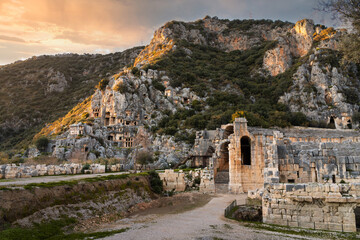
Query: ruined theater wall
[
  {"x": 314, "y": 205},
  {"x": 245, "y": 177},
  {"x": 302, "y": 162}
]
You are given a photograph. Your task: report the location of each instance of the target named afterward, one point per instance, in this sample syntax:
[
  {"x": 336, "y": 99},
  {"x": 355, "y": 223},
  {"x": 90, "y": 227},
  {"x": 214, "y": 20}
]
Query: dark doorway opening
[
  {"x": 357, "y": 218},
  {"x": 224, "y": 157},
  {"x": 332, "y": 123},
  {"x": 222, "y": 165},
  {"x": 349, "y": 125},
  {"x": 246, "y": 150}
]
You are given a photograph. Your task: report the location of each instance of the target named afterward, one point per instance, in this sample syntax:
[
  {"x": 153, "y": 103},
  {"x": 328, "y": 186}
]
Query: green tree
[
  {"x": 102, "y": 84},
  {"x": 346, "y": 11},
  {"x": 155, "y": 182},
  {"x": 42, "y": 143},
  {"x": 144, "y": 157}
]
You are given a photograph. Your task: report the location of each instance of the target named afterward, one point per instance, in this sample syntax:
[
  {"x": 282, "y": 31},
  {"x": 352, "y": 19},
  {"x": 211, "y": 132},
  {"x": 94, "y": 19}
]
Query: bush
[
  {"x": 351, "y": 96},
  {"x": 144, "y": 158},
  {"x": 135, "y": 71},
  {"x": 158, "y": 85},
  {"x": 356, "y": 117},
  {"x": 85, "y": 167},
  {"x": 121, "y": 87},
  {"x": 42, "y": 143},
  {"x": 102, "y": 84},
  {"x": 156, "y": 183}
]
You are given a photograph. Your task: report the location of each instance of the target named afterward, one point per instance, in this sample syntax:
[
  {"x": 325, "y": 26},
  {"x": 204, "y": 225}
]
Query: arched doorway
[
  {"x": 245, "y": 150},
  {"x": 357, "y": 218},
  {"x": 331, "y": 123},
  {"x": 222, "y": 165},
  {"x": 349, "y": 124}
]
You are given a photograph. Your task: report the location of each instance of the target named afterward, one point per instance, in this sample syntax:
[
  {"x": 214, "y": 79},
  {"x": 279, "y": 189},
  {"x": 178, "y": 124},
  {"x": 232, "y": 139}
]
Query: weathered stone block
[
  {"x": 349, "y": 227},
  {"x": 335, "y": 227},
  {"x": 307, "y": 225},
  {"x": 303, "y": 219},
  {"x": 293, "y": 224},
  {"x": 321, "y": 225}
]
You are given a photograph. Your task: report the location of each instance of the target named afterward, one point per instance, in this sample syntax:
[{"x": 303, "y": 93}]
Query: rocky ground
[{"x": 176, "y": 221}]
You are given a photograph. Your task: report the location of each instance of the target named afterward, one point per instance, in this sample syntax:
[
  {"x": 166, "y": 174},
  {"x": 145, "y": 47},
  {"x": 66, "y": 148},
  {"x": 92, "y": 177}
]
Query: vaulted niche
[
  {"x": 332, "y": 123},
  {"x": 349, "y": 125},
  {"x": 246, "y": 150},
  {"x": 357, "y": 218}
]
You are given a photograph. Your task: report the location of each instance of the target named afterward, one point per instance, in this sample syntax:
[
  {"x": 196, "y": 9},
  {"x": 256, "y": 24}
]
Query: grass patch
[
  {"x": 74, "y": 182},
  {"x": 54, "y": 230}
]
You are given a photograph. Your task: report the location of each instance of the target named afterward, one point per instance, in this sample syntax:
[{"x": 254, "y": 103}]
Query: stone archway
[
  {"x": 357, "y": 218},
  {"x": 332, "y": 123},
  {"x": 349, "y": 124},
  {"x": 222, "y": 165}
]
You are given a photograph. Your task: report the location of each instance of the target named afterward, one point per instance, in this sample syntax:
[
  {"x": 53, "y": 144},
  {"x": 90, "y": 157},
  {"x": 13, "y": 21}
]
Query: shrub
[
  {"x": 135, "y": 71},
  {"x": 356, "y": 117},
  {"x": 156, "y": 183},
  {"x": 102, "y": 84},
  {"x": 158, "y": 85},
  {"x": 42, "y": 143},
  {"x": 351, "y": 95},
  {"x": 121, "y": 87},
  {"x": 85, "y": 167},
  {"x": 144, "y": 158}
]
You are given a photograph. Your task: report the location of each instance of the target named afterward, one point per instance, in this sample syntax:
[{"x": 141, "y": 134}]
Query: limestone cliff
[
  {"x": 324, "y": 91},
  {"x": 223, "y": 34},
  {"x": 196, "y": 75}
]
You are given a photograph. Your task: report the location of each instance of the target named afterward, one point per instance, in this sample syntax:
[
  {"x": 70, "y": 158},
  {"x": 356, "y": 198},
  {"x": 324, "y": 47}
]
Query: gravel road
[{"x": 205, "y": 223}]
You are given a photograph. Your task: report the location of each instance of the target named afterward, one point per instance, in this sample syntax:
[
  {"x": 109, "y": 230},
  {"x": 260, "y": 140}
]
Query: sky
[{"x": 37, "y": 27}]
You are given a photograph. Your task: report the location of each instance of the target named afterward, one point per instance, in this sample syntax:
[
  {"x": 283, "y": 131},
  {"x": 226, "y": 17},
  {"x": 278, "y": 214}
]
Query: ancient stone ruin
[{"x": 310, "y": 176}]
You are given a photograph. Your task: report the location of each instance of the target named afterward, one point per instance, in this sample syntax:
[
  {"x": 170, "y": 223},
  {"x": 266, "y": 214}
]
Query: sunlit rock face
[{"x": 297, "y": 42}]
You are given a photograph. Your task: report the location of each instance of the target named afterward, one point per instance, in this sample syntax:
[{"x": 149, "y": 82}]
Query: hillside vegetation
[
  {"x": 231, "y": 81},
  {"x": 42, "y": 89}
]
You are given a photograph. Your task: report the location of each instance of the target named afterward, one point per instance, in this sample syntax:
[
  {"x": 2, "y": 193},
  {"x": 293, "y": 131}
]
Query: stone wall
[
  {"x": 207, "y": 184},
  {"x": 173, "y": 180},
  {"x": 178, "y": 181},
  {"x": 313, "y": 205},
  {"x": 24, "y": 171}
]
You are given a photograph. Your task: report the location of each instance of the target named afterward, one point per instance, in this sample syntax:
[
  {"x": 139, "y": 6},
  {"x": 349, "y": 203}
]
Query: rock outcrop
[
  {"x": 222, "y": 34},
  {"x": 321, "y": 91}
]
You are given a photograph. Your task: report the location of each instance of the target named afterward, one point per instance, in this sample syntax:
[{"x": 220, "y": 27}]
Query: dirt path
[
  {"x": 58, "y": 178},
  {"x": 206, "y": 222}
]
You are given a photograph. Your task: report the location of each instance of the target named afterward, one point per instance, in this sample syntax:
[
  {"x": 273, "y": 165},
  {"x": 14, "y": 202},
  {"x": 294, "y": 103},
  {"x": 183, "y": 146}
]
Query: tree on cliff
[
  {"x": 42, "y": 143},
  {"x": 144, "y": 158},
  {"x": 346, "y": 11}
]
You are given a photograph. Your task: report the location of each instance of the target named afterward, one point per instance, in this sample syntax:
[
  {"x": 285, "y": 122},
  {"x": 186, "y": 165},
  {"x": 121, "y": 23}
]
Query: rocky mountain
[
  {"x": 196, "y": 75},
  {"x": 42, "y": 89}
]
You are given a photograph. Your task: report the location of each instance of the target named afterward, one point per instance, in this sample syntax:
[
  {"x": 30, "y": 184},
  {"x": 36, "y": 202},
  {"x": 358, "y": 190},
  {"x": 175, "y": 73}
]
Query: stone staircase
[{"x": 222, "y": 182}]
